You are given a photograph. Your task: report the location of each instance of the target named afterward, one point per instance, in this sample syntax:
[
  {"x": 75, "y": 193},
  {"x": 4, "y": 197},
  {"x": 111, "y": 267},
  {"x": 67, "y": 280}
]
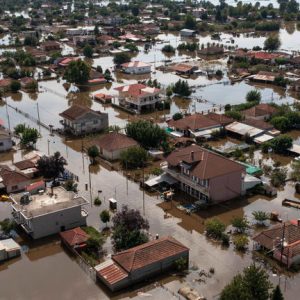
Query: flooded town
[{"x": 149, "y": 149}]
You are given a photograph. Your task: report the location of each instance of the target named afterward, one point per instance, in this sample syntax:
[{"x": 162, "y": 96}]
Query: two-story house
[
  {"x": 80, "y": 120},
  {"x": 205, "y": 175},
  {"x": 48, "y": 212},
  {"x": 139, "y": 97}
]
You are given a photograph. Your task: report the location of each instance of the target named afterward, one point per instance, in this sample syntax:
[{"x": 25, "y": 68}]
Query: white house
[
  {"x": 5, "y": 140},
  {"x": 9, "y": 249},
  {"x": 139, "y": 97},
  {"x": 48, "y": 212},
  {"x": 136, "y": 67}
]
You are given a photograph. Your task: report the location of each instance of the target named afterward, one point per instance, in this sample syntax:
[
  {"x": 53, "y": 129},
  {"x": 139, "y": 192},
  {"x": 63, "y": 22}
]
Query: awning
[{"x": 159, "y": 179}]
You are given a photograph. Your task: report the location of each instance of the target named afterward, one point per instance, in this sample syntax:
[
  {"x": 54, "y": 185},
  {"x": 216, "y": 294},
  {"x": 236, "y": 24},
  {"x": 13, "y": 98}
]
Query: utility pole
[
  {"x": 7, "y": 114},
  {"x": 48, "y": 142},
  {"x": 143, "y": 187},
  {"x": 90, "y": 184},
  {"x": 38, "y": 114}
]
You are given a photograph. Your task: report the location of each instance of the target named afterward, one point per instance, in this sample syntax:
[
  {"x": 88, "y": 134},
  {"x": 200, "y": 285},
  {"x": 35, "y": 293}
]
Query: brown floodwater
[{"x": 46, "y": 271}]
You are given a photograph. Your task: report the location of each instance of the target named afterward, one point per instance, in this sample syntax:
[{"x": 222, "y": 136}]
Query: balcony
[{"x": 186, "y": 180}]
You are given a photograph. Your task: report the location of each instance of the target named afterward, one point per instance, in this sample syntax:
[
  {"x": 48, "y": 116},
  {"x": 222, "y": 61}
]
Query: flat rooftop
[{"x": 47, "y": 202}]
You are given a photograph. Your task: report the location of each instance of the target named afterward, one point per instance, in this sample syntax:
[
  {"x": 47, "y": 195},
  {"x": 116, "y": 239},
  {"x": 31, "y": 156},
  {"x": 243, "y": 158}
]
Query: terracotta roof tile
[
  {"x": 205, "y": 164},
  {"x": 76, "y": 111},
  {"x": 74, "y": 237},
  {"x": 148, "y": 253}
]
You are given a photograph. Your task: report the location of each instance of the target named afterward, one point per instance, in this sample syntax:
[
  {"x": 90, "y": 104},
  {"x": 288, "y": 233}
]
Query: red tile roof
[
  {"x": 220, "y": 118},
  {"x": 194, "y": 122},
  {"x": 11, "y": 178},
  {"x": 259, "y": 110},
  {"x": 115, "y": 141},
  {"x": 74, "y": 237},
  {"x": 137, "y": 89},
  {"x": 148, "y": 253},
  {"x": 204, "y": 164},
  {"x": 76, "y": 111},
  {"x": 5, "y": 82}
]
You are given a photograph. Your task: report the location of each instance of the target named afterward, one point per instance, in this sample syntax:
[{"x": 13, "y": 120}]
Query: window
[
  {"x": 1, "y": 144},
  {"x": 83, "y": 124},
  {"x": 95, "y": 121},
  {"x": 14, "y": 187}
]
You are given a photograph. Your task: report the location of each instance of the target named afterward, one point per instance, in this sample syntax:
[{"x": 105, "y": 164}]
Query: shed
[
  {"x": 9, "y": 249},
  {"x": 112, "y": 203}
]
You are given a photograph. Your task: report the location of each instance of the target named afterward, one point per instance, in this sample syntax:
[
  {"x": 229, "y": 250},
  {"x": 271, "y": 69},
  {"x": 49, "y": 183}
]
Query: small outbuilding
[{"x": 9, "y": 249}]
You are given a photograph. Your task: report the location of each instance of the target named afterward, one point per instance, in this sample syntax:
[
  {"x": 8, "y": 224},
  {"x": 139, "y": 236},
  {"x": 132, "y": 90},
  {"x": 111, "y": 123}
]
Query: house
[
  {"x": 9, "y": 249},
  {"x": 264, "y": 77},
  {"x": 212, "y": 50},
  {"x": 5, "y": 85},
  {"x": 195, "y": 125},
  {"x": 39, "y": 55},
  {"x": 87, "y": 30},
  {"x": 112, "y": 144},
  {"x": 136, "y": 67},
  {"x": 96, "y": 77},
  {"x": 198, "y": 12},
  {"x": 138, "y": 97},
  {"x": 75, "y": 238},
  {"x": 131, "y": 37},
  {"x": 48, "y": 212},
  {"x": 184, "y": 69},
  {"x": 205, "y": 175},
  {"x": 140, "y": 263},
  {"x": 6, "y": 142},
  {"x": 82, "y": 120},
  {"x": 13, "y": 181},
  {"x": 282, "y": 241},
  {"x": 27, "y": 167},
  {"x": 64, "y": 62},
  {"x": 220, "y": 118},
  {"x": 262, "y": 111},
  {"x": 50, "y": 46},
  {"x": 187, "y": 33}
]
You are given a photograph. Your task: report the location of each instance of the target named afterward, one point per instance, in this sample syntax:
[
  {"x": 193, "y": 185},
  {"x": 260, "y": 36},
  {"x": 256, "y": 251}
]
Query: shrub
[
  {"x": 97, "y": 201},
  {"x": 253, "y": 95},
  {"x": 241, "y": 242},
  {"x": 215, "y": 228},
  {"x": 134, "y": 157}
]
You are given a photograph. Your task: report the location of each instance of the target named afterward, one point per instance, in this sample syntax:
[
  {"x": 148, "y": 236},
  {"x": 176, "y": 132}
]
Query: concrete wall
[
  {"x": 52, "y": 223},
  {"x": 19, "y": 187},
  {"x": 225, "y": 187},
  {"x": 5, "y": 144}
]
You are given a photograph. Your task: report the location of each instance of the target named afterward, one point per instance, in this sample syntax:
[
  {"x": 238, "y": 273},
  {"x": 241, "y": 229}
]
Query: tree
[
  {"x": 168, "y": 49},
  {"x": 236, "y": 115},
  {"x": 182, "y": 88},
  {"x": 71, "y": 185},
  {"x": 88, "y": 51},
  {"x": 105, "y": 216},
  {"x": 240, "y": 224},
  {"x": 96, "y": 30},
  {"x": 135, "y": 11},
  {"x": 252, "y": 284},
  {"x": 15, "y": 86},
  {"x": 272, "y": 43},
  {"x": 260, "y": 216},
  {"x": 277, "y": 294},
  {"x": 278, "y": 177},
  {"x": 7, "y": 225},
  {"x": 134, "y": 157},
  {"x": 93, "y": 153},
  {"x": 214, "y": 228},
  {"x": 253, "y": 95},
  {"x": 281, "y": 143},
  {"x": 177, "y": 116},
  {"x": 28, "y": 136},
  {"x": 129, "y": 229},
  {"x": 121, "y": 58},
  {"x": 149, "y": 135},
  {"x": 295, "y": 175},
  {"x": 190, "y": 22},
  {"x": 241, "y": 242},
  {"x": 281, "y": 123},
  {"x": 77, "y": 72},
  {"x": 51, "y": 166}
]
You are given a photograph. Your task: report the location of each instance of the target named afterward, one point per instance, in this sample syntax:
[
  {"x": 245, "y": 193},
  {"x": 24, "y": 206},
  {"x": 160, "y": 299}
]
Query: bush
[
  {"x": 97, "y": 201},
  {"x": 240, "y": 224},
  {"x": 234, "y": 115},
  {"x": 168, "y": 49},
  {"x": 253, "y": 95},
  {"x": 121, "y": 58},
  {"x": 278, "y": 177},
  {"x": 260, "y": 216},
  {"x": 134, "y": 157},
  {"x": 182, "y": 88},
  {"x": 177, "y": 116},
  {"x": 241, "y": 242},
  {"x": 215, "y": 228},
  {"x": 15, "y": 86},
  {"x": 272, "y": 43},
  {"x": 281, "y": 123}
]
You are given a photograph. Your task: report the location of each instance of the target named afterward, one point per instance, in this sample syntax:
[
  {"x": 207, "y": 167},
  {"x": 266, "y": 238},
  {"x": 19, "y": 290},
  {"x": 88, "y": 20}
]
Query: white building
[
  {"x": 48, "y": 212},
  {"x": 5, "y": 140},
  {"x": 136, "y": 67},
  {"x": 187, "y": 32},
  {"x": 9, "y": 249},
  {"x": 88, "y": 30}
]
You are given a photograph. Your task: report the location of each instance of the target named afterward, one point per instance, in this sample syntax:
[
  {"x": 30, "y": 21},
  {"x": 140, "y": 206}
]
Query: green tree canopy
[
  {"x": 121, "y": 58},
  {"x": 272, "y": 43},
  {"x": 253, "y": 95},
  {"x": 134, "y": 157},
  {"x": 77, "y": 72},
  {"x": 88, "y": 51},
  {"x": 149, "y": 135}
]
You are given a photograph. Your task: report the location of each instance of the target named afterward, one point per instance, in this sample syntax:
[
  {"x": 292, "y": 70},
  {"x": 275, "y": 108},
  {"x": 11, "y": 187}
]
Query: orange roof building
[{"x": 141, "y": 262}]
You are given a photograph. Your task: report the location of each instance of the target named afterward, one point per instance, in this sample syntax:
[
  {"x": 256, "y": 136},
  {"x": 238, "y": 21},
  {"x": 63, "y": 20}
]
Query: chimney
[{"x": 192, "y": 155}]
